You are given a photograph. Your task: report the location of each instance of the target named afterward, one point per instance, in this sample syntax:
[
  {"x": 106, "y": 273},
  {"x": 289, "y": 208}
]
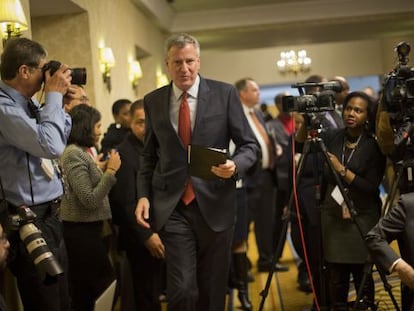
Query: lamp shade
[
  {"x": 106, "y": 60},
  {"x": 12, "y": 18},
  {"x": 135, "y": 71}
]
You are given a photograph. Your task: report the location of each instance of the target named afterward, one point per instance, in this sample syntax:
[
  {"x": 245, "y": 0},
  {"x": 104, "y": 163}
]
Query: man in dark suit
[
  {"x": 261, "y": 184},
  {"x": 397, "y": 224},
  {"x": 195, "y": 217},
  {"x": 143, "y": 247}
]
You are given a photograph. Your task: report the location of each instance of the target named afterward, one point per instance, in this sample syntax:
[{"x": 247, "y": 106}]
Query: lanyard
[{"x": 352, "y": 152}]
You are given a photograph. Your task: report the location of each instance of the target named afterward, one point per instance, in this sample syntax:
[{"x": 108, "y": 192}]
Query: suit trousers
[
  {"x": 198, "y": 261},
  {"x": 262, "y": 208}
]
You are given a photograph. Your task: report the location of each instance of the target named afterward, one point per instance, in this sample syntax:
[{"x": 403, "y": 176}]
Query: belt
[
  {"x": 46, "y": 209},
  {"x": 48, "y": 203}
]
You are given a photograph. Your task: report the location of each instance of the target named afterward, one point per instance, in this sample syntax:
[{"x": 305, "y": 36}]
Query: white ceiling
[{"x": 243, "y": 24}]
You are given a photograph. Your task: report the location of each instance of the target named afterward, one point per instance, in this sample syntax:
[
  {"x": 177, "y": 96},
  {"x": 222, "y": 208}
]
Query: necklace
[{"x": 350, "y": 146}]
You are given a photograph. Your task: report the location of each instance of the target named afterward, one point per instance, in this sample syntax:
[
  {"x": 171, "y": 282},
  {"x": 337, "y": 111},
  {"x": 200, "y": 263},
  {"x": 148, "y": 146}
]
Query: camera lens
[
  {"x": 79, "y": 76},
  {"x": 47, "y": 265}
]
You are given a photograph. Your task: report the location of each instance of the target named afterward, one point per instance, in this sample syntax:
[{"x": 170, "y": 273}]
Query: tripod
[
  {"x": 310, "y": 146},
  {"x": 315, "y": 141}
]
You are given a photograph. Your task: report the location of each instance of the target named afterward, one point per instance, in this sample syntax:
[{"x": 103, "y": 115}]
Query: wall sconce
[
  {"x": 107, "y": 62},
  {"x": 12, "y": 19},
  {"x": 162, "y": 80},
  {"x": 290, "y": 62},
  {"x": 135, "y": 74}
]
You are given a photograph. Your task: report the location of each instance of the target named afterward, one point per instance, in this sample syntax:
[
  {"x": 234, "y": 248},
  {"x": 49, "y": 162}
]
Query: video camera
[
  {"x": 22, "y": 220},
  {"x": 398, "y": 86},
  {"x": 78, "y": 74},
  {"x": 316, "y": 102}
]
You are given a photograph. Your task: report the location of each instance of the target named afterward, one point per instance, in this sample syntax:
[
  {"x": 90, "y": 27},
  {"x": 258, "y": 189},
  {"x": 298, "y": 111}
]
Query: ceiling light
[{"x": 292, "y": 62}]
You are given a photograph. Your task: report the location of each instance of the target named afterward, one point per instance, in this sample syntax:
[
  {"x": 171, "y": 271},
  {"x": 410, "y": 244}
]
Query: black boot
[{"x": 240, "y": 273}]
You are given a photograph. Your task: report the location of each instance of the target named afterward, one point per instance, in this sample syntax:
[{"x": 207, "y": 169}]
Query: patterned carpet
[{"x": 286, "y": 295}]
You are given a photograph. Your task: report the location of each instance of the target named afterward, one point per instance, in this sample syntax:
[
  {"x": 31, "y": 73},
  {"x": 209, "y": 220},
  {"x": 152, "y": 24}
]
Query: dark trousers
[
  {"x": 261, "y": 208},
  {"x": 198, "y": 261},
  {"x": 339, "y": 274},
  {"x": 90, "y": 271},
  {"x": 146, "y": 274},
  {"x": 311, "y": 225},
  {"x": 279, "y": 235},
  {"x": 35, "y": 294}
]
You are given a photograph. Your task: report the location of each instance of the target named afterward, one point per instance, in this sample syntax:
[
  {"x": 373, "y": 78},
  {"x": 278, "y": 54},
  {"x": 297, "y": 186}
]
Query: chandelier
[{"x": 292, "y": 62}]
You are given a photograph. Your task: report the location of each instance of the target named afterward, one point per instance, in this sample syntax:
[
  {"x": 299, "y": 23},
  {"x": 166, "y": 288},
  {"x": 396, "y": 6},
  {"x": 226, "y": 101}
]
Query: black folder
[{"x": 201, "y": 159}]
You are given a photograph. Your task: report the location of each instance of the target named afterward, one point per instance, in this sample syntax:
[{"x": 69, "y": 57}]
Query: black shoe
[
  {"x": 278, "y": 267},
  {"x": 244, "y": 300},
  {"x": 281, "y": 268},
  {"x": 304, "y": 284},
  {"x": 250, "y": 277}
]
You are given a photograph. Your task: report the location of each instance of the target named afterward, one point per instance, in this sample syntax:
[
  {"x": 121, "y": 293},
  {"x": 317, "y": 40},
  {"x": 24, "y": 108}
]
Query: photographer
[
  {"x": 395, "y": 133},
  {"x": 31, "y": 137},
  {"x": 356, "y": 158}
]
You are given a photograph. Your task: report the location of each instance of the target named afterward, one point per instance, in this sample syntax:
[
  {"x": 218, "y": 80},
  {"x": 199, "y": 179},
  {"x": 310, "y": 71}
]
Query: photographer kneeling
[
  {"x": 31, "y": 137},
  {"x": 357, "y": 159}
]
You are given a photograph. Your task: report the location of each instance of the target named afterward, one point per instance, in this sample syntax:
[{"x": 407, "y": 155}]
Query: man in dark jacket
[{"x": 143, "y": 246}]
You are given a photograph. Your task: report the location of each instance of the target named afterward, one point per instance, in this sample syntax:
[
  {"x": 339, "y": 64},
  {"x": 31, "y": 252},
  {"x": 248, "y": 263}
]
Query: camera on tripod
[
  {"x": 320, "y": 101},
  {"x": 44, "y": 260},
  {"x": 398, "y": 86}
]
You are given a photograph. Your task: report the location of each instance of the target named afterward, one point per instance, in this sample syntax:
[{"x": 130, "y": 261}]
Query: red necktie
[
  {"x": 268, "y": 142},
  {"x": 184, "y": 131}
]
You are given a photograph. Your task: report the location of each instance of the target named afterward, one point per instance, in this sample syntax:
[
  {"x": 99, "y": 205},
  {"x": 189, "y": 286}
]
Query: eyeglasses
[{"x": 37, "y": 67}]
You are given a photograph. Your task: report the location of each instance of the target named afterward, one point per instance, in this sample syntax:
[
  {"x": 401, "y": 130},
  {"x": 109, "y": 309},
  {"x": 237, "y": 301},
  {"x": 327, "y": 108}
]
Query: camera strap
[{"x": 30, "y": 178}]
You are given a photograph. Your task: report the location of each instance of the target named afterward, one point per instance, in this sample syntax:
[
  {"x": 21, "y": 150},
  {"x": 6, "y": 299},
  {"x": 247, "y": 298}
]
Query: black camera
[
  {"x": 46, "y": 264},
  {"x": 314, "y": 103},
  {"x": 398, "y": 86},
  {"x": 78, "y": 74}
]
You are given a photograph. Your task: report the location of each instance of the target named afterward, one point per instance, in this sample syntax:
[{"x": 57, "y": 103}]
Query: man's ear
[{"x": 23, "y": 71}]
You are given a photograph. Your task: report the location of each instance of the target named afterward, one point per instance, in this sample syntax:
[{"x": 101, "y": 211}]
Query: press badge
[
  {"x": 48, "y": 167},
  {"x": 338, "y": 197}
]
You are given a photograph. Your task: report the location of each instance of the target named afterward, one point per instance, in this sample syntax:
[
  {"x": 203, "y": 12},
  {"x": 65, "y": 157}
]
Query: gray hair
[{"x": 181, "y": 40}]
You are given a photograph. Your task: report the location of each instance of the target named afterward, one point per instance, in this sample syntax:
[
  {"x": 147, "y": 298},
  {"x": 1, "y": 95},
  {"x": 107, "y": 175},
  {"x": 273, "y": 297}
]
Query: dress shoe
[
  {"x": 304, "y": 283},
  {"x": 278, "y": 268},
  {"x": 281, "y": 268},
  {"x": 250, "y": 277}
]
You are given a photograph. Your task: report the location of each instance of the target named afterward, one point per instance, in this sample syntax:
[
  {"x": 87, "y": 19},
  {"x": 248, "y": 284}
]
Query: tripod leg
[
  {"x": 280, "y": 243},
  {"x": 365, "y": 287}
]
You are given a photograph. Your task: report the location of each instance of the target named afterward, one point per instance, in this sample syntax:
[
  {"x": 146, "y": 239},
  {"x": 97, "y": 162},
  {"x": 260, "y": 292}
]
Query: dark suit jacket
[
  {"x": 164, "y": 170},
  {"x": 123, "y": 196},
  {"x": 254, "y": 172},
  {"x": 398, "y": 224}
]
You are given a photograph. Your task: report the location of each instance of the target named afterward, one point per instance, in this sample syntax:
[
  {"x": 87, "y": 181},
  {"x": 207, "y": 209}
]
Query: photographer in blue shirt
[{"x": 31, "y": 137}]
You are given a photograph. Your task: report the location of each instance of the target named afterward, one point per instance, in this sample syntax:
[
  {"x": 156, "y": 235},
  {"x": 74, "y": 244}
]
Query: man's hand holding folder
[{"x": 201, "y": 159}]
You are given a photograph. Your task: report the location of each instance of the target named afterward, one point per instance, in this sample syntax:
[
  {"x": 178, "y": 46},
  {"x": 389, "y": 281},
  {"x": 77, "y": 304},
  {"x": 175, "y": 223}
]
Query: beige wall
[
  {"x": 75, "y": 40},
  {"x": 69, "y": 42},
  {"x": 356, "y": 58}
]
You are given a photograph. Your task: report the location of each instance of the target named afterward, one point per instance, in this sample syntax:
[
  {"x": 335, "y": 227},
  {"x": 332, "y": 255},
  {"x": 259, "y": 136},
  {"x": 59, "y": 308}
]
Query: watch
[{"x": 343, "y": 172}]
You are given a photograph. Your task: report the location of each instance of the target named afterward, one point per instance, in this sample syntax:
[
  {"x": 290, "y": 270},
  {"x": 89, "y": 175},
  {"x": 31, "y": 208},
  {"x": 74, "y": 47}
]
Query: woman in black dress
[{"x": 357, "y": 160}]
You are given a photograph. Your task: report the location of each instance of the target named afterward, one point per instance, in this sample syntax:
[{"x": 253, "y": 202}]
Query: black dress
[{"x": 342, "y": 241}]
